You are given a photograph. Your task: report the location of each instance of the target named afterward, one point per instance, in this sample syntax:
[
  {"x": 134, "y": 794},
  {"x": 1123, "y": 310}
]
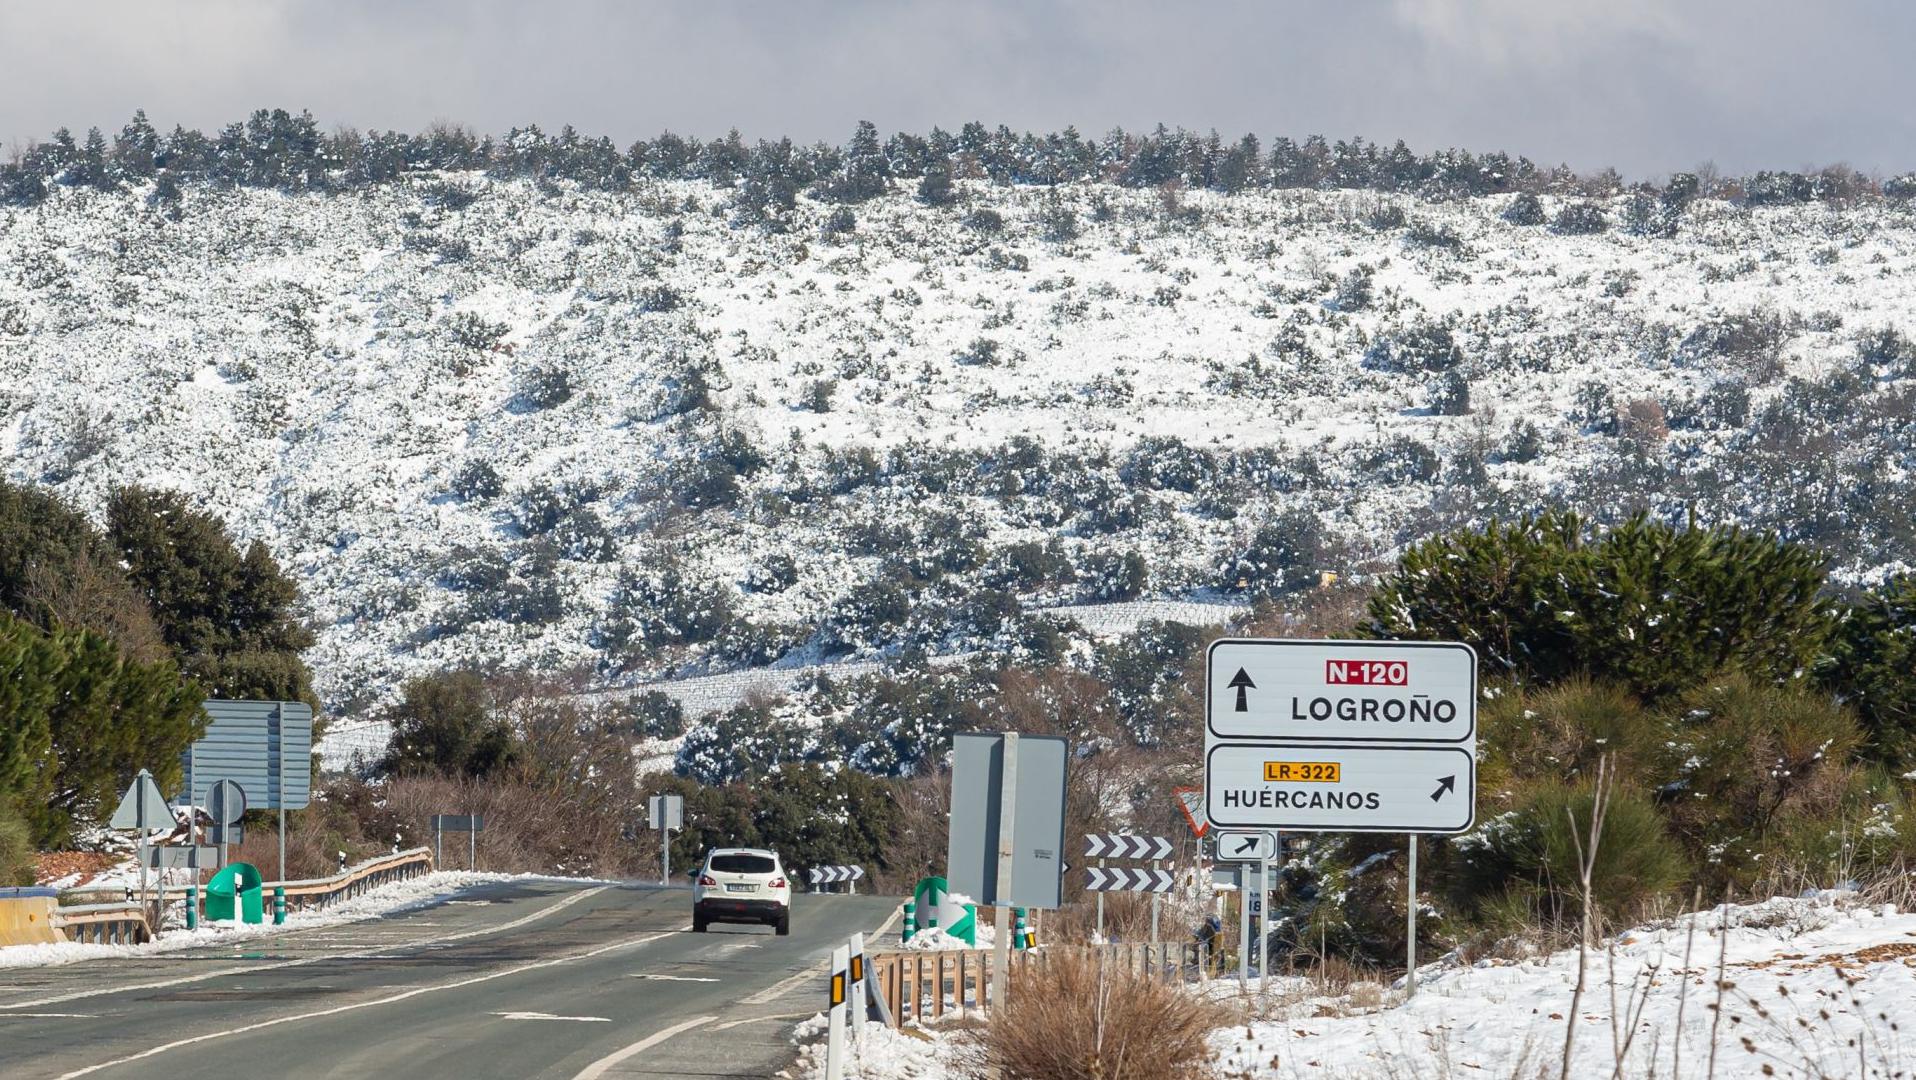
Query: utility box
[{"x": 236, "y": 889}]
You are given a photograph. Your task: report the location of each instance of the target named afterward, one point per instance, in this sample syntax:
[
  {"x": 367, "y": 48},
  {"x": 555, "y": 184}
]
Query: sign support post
[
  {"x": 1001, "y": 920},
  {"x": 1410, "y": 917},
  {"x": 1100, "y": 909},
  {"x": 472, "y": 846},
  {"x": 1156, "y": 900},
  {"x": 1264, "y": 925},
  {"x": 1243, "y": 926}
]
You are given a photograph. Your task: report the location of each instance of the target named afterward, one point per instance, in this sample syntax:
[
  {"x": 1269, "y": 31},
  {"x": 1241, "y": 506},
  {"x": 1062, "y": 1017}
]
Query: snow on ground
[
  {"x": 1814, "y": 987},
  {"x": 385, "y": 900}
]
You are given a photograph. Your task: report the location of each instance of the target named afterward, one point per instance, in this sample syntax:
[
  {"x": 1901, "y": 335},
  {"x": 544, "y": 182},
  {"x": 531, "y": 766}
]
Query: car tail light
[
  {"x": 707, "y": 880},
  {"x": 778, "y": 883}
]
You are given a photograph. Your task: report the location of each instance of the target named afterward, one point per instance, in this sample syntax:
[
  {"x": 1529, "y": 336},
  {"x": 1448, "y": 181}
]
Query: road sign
[
  {"x": 1125, "y": 879},
  {"x": 458, "y": 823},
  {"x": 1340, "y": 736},
  {"x": 191, "y": 857},
  {"x": 834, "y": 875},
  {"x": 1191, "y": 801},
  {"x": 1429, "y": 789},
  {"x": 1235, "y": 845},
  {"x": 1126, "y": 846},
  {"x": 267, "y": 746},
  {"x": 226, "y": 803},
  {"x": 1341, "y": 691},
  {"x": 142, "y": 807},
  {"x": 665, "y": 812},
  {"x": 1007, "y": 798}
]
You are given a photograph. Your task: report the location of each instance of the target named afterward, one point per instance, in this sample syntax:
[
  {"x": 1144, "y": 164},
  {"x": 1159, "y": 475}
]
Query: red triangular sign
[{"x": 1191, "y": 801}]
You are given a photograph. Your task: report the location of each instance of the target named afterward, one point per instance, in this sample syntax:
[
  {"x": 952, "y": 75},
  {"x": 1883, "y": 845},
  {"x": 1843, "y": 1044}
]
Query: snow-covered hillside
[{"x": 496, "y": 422}]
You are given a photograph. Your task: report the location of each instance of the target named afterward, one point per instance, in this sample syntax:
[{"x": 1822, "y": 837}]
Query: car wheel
[
  {"x": 784, "y": 925},
  {"x": 698, "y": 924}
]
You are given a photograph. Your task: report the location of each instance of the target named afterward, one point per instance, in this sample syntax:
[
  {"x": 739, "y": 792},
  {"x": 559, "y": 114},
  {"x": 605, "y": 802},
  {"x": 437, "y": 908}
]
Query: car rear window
[{"x": 743, "y": 864}]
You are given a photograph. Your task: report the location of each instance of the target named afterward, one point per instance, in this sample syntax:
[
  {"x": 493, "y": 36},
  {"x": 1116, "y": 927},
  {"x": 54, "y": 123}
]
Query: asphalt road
[{"x": 515, "y": 979}]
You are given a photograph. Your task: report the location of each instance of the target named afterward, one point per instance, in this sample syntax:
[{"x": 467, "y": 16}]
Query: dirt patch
[{"x": 63, "y": 866}]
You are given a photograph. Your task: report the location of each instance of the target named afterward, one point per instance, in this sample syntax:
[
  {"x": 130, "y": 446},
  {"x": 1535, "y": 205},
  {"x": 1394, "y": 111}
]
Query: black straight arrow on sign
[
  {"x": 1242, "y": 682},
  {"x": 1444, "y": 787}
]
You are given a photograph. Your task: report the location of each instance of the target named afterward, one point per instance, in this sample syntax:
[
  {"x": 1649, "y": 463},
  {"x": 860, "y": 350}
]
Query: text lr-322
[{"x": 1306, "y": 772}]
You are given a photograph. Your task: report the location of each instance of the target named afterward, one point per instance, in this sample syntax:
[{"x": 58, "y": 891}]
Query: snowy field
[
  {"x": 1816, "y": 987},
  {"x": 628, "y": 436}
]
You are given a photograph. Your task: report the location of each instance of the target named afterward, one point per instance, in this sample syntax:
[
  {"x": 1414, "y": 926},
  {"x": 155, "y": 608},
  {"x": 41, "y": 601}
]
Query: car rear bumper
[{"x": 733, "y": 907}]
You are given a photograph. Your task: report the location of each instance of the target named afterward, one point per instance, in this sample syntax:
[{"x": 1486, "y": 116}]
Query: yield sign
[
  {"x": 1191, "y": 801},
  {"x": 143, "y": 807}
]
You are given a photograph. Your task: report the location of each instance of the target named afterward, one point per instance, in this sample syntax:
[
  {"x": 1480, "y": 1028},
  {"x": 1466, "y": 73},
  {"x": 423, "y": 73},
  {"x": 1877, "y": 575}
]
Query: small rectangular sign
[
  {"x": 182, "y": 858},
  {"x": 1306, "y": 772},
  {"x": 458, "y": 823}
]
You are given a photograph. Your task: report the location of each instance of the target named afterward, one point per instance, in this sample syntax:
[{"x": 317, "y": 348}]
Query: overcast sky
[{"x": 1649, "y": 86}]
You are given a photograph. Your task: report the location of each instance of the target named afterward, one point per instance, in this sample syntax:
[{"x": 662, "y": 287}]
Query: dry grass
[{"x": 1073, "y": 1020}]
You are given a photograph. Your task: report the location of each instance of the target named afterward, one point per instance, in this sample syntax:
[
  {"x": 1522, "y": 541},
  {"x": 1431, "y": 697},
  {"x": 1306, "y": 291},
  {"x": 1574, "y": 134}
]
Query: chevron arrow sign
[
  {"x": 832, "y": 875},
  {"x": 1124, "y": 879},
  {"x": 1126, "y": 846}
]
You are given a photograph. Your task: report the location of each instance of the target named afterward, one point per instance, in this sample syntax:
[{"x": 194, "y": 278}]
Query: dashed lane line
[
  {"x": 363, "y": 954},
  {"x": 357, "y": 1005}
]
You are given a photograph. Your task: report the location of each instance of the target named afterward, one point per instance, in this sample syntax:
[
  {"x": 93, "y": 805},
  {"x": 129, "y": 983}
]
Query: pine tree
[
  {"x": 866, "y": 175},
  {"x": 1872, "y": 666},
  {"x": 1649, "y": 605},
  {"x": 136, "y": 149},
  {"x": 935, "y": 188},
  {"x": 447, "y": 725},
  {"x": 226, "y": 613}
]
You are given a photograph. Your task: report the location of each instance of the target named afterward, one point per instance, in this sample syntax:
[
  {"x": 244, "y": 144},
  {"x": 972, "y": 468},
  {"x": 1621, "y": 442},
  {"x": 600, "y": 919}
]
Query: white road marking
[
  {"x": 671, "y": 978},
  {"x": 730, "y": 1024},
  {"x": 50, "y": 1016},
  {"x": 599, "y": 1067},
  {"x": 780, "y": 988},
  {"x": 337, "y": 1009},
  {"x": 549, "y": 1016},
  {"x": 57, "y": 999}
]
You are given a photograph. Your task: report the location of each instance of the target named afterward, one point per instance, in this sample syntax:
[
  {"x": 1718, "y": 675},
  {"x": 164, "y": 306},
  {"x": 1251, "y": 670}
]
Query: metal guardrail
[
  {"x": 126, "y": 924},
  {"x": 104, "y": 924},
  {"x": 320, "y": 892}
]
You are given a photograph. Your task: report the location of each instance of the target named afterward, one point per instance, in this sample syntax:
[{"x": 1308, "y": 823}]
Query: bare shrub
[{"x": 1071, "y": 1019}]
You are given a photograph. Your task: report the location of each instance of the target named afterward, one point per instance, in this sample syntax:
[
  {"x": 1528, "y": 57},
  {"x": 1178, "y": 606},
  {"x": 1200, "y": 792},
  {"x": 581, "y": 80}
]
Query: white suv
[{"x": 742, "y": 885}]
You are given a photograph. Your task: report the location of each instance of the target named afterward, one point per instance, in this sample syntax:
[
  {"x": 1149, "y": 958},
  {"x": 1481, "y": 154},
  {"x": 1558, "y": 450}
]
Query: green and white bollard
[
  {"x": 910, "y": 926},
  {"x": 279, "y": 905},
  {"x": 1018, "y": 936},
  {"x": 193, "y": 906}
]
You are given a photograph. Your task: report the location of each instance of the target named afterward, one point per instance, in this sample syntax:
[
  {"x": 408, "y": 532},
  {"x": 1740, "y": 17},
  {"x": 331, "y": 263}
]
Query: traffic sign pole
[
  {"x": 1156, "y": 900},
  {"x": 1410, "y": 917},
  {"x": 1001, "y": 923},
  {"x": 1100, "y": 908},
  {"x": 1243, "y": 926}
]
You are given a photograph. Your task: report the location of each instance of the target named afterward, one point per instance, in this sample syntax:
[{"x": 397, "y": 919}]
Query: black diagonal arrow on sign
[{"x": 1444, "y": 787}]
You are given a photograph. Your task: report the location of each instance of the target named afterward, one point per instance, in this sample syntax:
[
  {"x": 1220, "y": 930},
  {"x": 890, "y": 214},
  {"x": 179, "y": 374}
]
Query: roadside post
[
  {"x": 1006, "y": 840},
  {"x": 909, "y": 926},
  {"x": 470, "y": 824},
  {"x": 665, "y": 813},
  {"x": 855, "y": 989},
  {"x": 835, "y": 1035},
  {"x": 1342, "y": 736},
  {"x": 279, "y": 905}
]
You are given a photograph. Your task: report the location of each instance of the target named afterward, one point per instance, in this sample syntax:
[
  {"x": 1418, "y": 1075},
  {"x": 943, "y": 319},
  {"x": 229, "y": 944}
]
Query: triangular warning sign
[
  {"x": 1191, "y": 801},
  {"x": 143, "y": 807}
]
